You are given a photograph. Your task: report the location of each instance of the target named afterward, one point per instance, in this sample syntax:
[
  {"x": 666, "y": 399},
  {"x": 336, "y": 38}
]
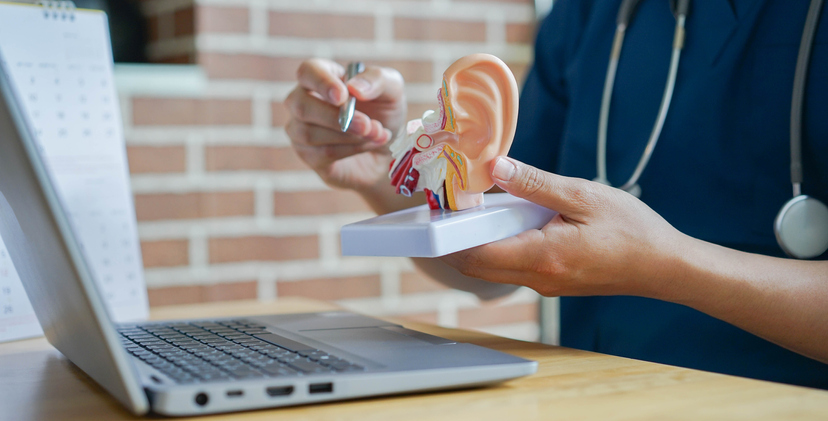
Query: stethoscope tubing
[
  {"x": 664, "y": 107},
  {"x": 798, "y": 97}
]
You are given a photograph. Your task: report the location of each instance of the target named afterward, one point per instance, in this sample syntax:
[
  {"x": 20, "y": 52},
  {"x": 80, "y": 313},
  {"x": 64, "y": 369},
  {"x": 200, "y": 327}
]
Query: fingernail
[
  {"x": 503, "y": 169},
  {"x": 360, "y": 84},
  {"x": 333, "y": 94}
]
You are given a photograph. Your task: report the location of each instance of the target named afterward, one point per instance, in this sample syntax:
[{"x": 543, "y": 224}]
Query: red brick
[
  {"x": 332, "y": 289},
  {"x": 251, "y": 158},
  {"x": 439, "y": 30},
  {"x": 314, "y": 25},
  {"x": 493, "y": 315},
  {"x": 279, "y": 114},
  {"x": 318, "y": 203},
  {"x": 184, "y": 21},
  {"x": 188, "y": 112},
  {"x": 160, "y": 159},
  {"x": 165, "y": 253},
  {"x": 522, "y": 33},
  {"x": 150, "y": 207},
  {"x": 202, "y": 293},
  {"x": 240, "y": 249},
  {"x": 415, "y": 282},
  {"x": 411, "y": 70},
  {"x": 249, "y": 66},
  {"x": 210, "y": 19}
]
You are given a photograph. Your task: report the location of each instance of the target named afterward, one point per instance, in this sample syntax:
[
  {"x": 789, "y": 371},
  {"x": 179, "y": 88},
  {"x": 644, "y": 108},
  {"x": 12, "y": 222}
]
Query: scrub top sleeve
[{"x": 544, "y": 100}]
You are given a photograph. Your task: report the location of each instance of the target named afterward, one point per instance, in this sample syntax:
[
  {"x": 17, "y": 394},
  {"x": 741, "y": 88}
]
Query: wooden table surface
[{"x": 37, "y": 383}]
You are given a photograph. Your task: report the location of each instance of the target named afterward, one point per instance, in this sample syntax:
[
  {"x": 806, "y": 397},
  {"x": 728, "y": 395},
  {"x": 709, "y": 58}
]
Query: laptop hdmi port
[
  {"x": 279, "y": 391},
  {"x": 320, "y": 388}
]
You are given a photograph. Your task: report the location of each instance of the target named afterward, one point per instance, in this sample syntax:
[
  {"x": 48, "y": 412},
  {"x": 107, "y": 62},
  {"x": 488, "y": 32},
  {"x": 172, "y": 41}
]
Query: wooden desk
[{"x": 37, "y": 383}]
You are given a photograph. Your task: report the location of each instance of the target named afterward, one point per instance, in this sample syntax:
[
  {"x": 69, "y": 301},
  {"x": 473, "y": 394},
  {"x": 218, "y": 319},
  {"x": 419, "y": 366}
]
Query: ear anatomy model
[{"x": 448, "y": 153}]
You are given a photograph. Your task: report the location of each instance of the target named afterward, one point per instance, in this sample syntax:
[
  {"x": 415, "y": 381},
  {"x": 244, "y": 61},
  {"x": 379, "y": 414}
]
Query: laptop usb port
[
  {"x": 235, "y": 393},
  {"x": 279, "y": 391},
  {"x": 320, "y": 388}
]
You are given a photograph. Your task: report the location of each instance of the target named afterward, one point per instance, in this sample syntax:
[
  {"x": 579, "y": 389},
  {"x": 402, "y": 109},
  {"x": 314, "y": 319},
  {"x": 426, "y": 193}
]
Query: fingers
[
  {"x": 307, "y": 108},
  {"x": 325, "y": 78},
  {"x": 513, "y": 253},
  {"x": 573, "y": 197},
  {"x": 377, "y": 84},
  {"x": 306, "y": 134},
  {"x": 322, "y": 158},
  {"x": 374, "y": 84}
]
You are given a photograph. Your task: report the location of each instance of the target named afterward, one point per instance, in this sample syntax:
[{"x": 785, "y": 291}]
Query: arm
[{"x": 607, "y": 242}]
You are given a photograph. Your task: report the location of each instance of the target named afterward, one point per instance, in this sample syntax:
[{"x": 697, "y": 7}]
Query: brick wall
[{"x": 225, "y": 208}]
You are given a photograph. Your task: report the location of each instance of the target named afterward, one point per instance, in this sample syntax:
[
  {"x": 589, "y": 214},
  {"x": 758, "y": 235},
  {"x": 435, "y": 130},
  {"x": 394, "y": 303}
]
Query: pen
[{"x": 346, "y": 112}]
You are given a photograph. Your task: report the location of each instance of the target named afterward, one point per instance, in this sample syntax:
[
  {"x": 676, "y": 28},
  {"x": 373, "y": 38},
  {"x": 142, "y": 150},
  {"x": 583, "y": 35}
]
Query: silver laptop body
[{"x": 342, "y": 356}]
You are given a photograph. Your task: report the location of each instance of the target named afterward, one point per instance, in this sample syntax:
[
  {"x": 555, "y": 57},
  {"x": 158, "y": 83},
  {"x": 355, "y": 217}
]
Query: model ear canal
[{"x": 449, "y": 123}]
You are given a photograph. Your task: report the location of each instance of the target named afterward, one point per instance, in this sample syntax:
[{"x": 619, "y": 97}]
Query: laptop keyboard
[{"x": 224, "y": 350}]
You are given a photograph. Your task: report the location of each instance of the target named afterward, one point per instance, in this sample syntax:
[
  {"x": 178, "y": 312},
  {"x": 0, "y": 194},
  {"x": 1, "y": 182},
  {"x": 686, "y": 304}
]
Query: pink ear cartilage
[{"x": 447, "y": 154}]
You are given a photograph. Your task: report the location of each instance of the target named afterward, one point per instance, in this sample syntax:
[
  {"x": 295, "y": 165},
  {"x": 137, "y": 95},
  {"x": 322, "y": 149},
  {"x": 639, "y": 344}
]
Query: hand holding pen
[{"x": 357, "y": 158}]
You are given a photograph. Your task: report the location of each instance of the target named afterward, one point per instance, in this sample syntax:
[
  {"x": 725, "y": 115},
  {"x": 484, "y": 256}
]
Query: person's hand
[
  {"x": 603, "y": 242},
  {"x": 358, "y": 159}
]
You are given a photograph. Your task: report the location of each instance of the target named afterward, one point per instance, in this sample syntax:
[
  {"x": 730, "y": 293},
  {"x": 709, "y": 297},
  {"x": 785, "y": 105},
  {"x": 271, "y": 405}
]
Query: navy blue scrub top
[{"x": 720, "y": 171}]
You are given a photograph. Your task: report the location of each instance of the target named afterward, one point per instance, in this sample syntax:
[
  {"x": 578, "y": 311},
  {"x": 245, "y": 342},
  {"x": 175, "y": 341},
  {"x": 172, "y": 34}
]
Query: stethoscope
[{"x": 801, "y": 227}]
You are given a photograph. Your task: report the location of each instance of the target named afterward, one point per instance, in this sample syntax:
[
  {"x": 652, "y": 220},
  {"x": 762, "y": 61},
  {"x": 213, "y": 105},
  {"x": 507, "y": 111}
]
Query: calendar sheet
[{"x": 61, "y": 65}]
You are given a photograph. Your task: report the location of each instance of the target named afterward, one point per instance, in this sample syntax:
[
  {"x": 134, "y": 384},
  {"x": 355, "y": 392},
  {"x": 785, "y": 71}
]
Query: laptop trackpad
[{"x": 385, "y": 337}]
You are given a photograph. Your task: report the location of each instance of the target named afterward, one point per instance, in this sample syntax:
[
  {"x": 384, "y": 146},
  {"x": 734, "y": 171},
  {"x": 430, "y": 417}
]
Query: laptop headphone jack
[{"x": 201, "y": 399}]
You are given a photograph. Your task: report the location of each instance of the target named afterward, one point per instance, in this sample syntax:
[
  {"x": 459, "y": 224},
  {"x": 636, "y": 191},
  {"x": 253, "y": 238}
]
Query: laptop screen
[{"x": 52, "y": 268}]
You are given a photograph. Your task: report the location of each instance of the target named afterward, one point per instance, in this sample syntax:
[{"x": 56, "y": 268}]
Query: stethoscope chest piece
[{"x": 801, "y": 227}]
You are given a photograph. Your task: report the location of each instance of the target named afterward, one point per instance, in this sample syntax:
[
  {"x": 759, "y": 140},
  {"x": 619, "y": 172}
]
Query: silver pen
[{"x": 346, "y": 112}]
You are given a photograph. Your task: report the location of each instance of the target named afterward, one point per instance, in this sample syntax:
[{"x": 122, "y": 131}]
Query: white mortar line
[
  {"x": 195, "y": 158},
  {"x": 266, "y": 284},
  {"x": 329, "y": 243},
  {"x": 263, "y": 197},
  {"x": 286, "y": 181},
  {"x": 495, "y": 28},
  {"x": 300, "y": 47},
  {"x": 286, "y": 271},
  {"x": 454, "y": 10},
  {"x": 259, "y": 21},
  {"x": 384, "y": 27},
  {"x": 390, "y": 284},
  {"x": 246, "y": 226},
  {"x": 210, "y": 135}
]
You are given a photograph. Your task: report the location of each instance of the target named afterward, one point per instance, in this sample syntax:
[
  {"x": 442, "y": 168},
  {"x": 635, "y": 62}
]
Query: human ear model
[{"x": 448, "y": 153}]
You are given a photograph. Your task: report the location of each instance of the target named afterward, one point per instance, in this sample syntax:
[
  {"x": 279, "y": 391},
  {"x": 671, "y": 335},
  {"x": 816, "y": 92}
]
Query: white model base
[{"x": 422, "y": 232}]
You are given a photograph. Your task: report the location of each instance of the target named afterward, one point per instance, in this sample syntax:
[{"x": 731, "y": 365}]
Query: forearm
[{"x": 782, "y": 300}]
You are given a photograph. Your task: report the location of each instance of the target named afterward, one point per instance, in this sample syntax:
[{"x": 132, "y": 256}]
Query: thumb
[{"x": 571, "y": 197}]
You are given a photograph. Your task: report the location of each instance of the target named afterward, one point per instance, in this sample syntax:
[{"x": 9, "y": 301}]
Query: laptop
[{"x": 190, "y": 367}]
